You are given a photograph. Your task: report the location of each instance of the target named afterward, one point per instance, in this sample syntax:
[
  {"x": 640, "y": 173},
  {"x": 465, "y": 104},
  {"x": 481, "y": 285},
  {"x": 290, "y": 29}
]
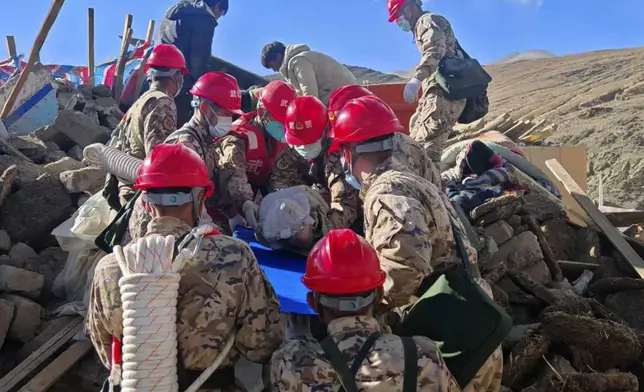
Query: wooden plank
[
  {"x": 117, "y": 84},
  {"x": 90, "y": 46},
  {"x": 614, "y": 236},
  {"x": 140, "y": 76},
  {"x": 11, "y": 46},
  {"x": 39, "y": 356},
  {"x": 54, "y": 327},
  {"x": 625, "y": 218},
  {"x": 34, "y": 55},
  {"x": 50, "y": 374}
]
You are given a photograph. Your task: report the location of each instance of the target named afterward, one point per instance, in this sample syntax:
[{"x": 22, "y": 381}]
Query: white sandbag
[{"x": 93, "y": 217}]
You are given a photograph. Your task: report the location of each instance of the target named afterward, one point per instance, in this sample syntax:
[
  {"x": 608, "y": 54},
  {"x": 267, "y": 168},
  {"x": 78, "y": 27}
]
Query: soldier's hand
[
  {"x": 297, "y": 326},
  {"x": 411, "y": 90},
  {"x": 251, "y": 212}
]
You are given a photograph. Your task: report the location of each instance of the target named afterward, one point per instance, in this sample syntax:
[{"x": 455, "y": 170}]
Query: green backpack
[{"x": 456, "y": 312}]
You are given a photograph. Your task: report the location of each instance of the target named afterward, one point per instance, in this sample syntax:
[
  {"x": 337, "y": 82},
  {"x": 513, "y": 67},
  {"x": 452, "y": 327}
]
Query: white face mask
[
  {"x": 224, "y": 125},
  {"x": 309, "y": 151}
]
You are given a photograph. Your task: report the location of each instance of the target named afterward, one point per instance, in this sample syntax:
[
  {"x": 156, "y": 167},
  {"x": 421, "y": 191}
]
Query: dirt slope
[{"x": 597, "y": 99}]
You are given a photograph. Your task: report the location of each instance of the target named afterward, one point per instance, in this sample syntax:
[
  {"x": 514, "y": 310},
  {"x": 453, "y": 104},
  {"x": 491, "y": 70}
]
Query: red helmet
[
  {"x": 173, "y": 166},
  {"x": 394, "y": 7},
  {"x": 275, "y": 98},
  {"x": 167, "y": 56},
  {"x": 306, "y": 121},
  {"x": 363, "y": 119},
  {"x": 343, "y": 263},
  {"x": 342, "y": 95},
  {"x": 220, "y": 89}
]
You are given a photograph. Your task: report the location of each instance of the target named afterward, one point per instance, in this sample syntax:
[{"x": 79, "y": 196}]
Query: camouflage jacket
[
  {"x": 407, "y": 220},
  {"x": 232, "y": 181},
  {"x": 411, "y": 154},
  {"x": 435, "y": 39},
  {"x": 301, "y": 364},
  {"x": 222, "y": 291}
]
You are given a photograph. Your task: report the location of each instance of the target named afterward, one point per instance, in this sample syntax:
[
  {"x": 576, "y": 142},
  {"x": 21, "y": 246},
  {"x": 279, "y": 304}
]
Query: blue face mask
[
  {"x": 351, "y": 180},
  {"x": 403, "y": 24},
  {"x": 276, "y": 130}
]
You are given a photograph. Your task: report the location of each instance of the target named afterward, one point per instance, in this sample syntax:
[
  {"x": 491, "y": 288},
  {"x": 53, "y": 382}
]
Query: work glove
[
  {"x": 298, "y": 326},
  {"x": 236, "y": 221},
  {"x": 411, "y": 90},
  {"x": 251, "y": 212}
]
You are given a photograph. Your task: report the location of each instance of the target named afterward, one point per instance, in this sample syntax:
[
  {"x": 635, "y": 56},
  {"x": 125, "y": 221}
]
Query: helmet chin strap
[{"x": 195, "y": 205}]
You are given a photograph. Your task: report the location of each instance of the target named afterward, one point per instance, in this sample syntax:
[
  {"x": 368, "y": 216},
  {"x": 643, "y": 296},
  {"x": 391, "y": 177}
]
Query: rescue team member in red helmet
[
  {"x": 307, "y": 161},
  {"x": 151, "y": 118},
  {"x": 357, "y": 353},
  {"x": 435, "y": 115},
  {"x": 407, "y": 219},
  {"x": 247, "y": 154},
  {"x": 216, "y": 98},
  {"x": 175, "y": 183}
]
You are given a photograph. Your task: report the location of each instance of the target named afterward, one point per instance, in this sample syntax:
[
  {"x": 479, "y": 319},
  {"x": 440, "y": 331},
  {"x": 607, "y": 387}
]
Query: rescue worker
[
  {"x": 216, "y": 98},
  {"x": 408, "y": 151},
  {"x": 153, "y": 116},
  {"x": 307, "y": 161},
  {"x": 309, "y": 72},
  {"x": 344, "y": 295},
  {"x": 407, "y": 219},
  {"x": 175, "y": 184},
  {"x": 435, "y": 115},
  {"x": 190, "y": 26},
  {"x": 246, "y": 156}
]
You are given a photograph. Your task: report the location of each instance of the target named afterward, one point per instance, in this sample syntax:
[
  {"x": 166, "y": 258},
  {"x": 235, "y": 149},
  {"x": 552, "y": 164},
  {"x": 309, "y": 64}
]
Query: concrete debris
[
  {"x": 22, "y": 252},
  {"x": 22, "y": 282},
  {"x": 76, "y": 153},
  {"x": 5, "y": 241},
  {"x": 500, "y": 231},
  {"x": 7, "y": 310},
  {"x": 520, "y": 252},
  {"x": 52, "y": 146},
  {"x": 30, "y": 214},
  {"x": 560, "y": 236},
  {"x": 26, "y": 319},
  {"x": 55, "y": 156},
  {"x": 63, "y": 165},
  {"x": 89, "y": 179},
  {"x": 51, "y": 133},
  {"x": 28, "y": 172},
  {"x": 7, "y": 179},
  {"x": 8, "y": 260},
  {"x": 29, "y": 145},
  {"x": 101, "y": 91},
  {"x": 80, "y": 128}
]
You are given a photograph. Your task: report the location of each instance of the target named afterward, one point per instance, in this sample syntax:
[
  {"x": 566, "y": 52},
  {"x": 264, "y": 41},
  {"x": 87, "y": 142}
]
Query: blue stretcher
[{"x": 284, "y": 270}]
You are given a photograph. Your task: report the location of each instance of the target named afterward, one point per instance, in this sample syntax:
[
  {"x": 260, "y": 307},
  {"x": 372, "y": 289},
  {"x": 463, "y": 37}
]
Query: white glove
[
  {"x": 236, "y": 221},
  {"x": 411, "y": 90},
  {"x": 298, "y": 326},
  {"x": 251, "y": 211}
]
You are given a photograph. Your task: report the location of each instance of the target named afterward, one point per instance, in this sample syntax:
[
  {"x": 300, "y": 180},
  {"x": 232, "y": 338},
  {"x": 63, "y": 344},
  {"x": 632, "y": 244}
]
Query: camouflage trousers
[
  {"x": 488, "y": 378},
  {"x": 433, "y": 121}
]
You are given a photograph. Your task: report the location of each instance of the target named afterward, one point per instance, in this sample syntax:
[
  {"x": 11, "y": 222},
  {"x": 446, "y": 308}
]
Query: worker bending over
[
  {"x": 357, "y": 355},
  {"x": 151, "y": 118},
  {"x": 247, "y": 154},
  {"x": 435, "y": 115},
  {"x": 407, "y": 219},
  {"x": 222, "y": 290},
  {"x": 215, "y": 99},
  {"x": 309, "y": 72}
]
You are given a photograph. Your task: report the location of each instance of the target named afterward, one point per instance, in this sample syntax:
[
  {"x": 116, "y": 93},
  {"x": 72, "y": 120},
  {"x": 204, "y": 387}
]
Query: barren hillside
[{"x": 597, "y": 99}]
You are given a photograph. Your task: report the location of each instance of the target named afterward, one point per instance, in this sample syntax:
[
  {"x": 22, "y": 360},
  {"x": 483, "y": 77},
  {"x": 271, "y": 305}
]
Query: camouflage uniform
[
  {"x": 435, "y": 115},
  {"x": 301, "y": 364},
  {"x": 412, "y": 155},
  {"x": 243, "y": 302},
  {"x": 148, "y": 122},
  {"x": 325, "y": 175}
]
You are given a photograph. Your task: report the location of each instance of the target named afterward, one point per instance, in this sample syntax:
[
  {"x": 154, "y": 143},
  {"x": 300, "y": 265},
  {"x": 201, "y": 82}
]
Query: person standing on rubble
[
  {"x": 190, "y": 26},
  {"x": 216, "y": 98},
  {"x": 345, "y": 295},
  {"x": 246, "y": 156},
  {"x": 175, "y": 183},
  {"x": 435, "y": 115},
  {"x": 407, "y": 219},
  {"x": 309, "y": 72},
  {"x": 151, "y": 119}
]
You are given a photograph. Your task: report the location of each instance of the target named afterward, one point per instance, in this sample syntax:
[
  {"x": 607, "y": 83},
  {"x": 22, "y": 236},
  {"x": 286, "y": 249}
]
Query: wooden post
[
  {"x": 11, "y": 46},
  {"x": 117, "y": 86},
  {"x": 34, "y": 55},
  {"x": 90, "y": 46},
  {"x": 140, "y": 76}
]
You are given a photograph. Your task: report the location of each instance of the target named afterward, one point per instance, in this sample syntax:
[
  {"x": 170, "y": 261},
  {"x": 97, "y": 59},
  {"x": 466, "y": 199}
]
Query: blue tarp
[{"x": 284, "y": 270}]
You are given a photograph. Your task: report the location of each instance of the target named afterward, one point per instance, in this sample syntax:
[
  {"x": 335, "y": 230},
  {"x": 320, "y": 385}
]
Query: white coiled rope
[{"x": 149, "y": 289}]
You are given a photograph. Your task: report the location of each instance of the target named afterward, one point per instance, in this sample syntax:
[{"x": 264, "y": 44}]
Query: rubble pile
[
  {"x": 578, "y": 325},
  {"x": 524, "y": 130},
  {"x": 42, "y": 182}
]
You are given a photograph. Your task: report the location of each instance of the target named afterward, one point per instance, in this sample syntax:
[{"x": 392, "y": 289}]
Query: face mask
[
  {"x": 179, "y": 85},
  {"x": 309, "y": 151},
  {"x": 224, "y": 125},
  {"x": 403, "y": 24},
  {"x": 351, "y": 180},
  {"x": 276, "y": 130}
]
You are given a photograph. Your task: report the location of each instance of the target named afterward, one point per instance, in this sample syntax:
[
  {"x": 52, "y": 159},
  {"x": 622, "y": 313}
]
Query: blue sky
[{"x": 356, "y": 32}]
